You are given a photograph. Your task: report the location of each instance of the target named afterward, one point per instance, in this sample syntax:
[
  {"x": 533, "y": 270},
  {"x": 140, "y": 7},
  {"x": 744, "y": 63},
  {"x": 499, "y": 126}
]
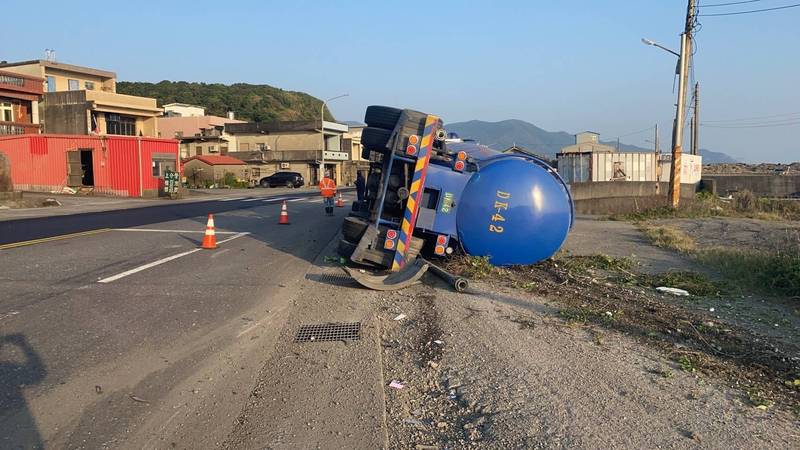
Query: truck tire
[
  {"x": 375, "y": 139},
  {"x": 382, "y": 116}
]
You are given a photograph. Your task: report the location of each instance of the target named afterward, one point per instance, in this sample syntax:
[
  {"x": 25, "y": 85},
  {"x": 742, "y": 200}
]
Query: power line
[
  {"x": 727, "y": 4},
  {"x": 751, "y": 11},
  {"x": 745, "y": 119},
  {"x": 784, "y": 124},
  {"x": 635, "y": 132}
]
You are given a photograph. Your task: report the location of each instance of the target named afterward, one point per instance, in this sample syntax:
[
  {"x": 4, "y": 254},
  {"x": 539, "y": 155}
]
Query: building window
[
  {"x": 223, "y": 150},
  {"x": 211, "y": 149},
  {"x": 261, "y": 147},
  {"x": 51, "y": 83},
  {"x": 6, "y": 112},
  {"x": 160, "y": 166},
  {"x": 119, "y": 124},
  {"x": 198, "y": 151},
  {"x": 244, "y": 147},
  {"x": 73, "y": 85},
  {"x": 89, "y": 85}
]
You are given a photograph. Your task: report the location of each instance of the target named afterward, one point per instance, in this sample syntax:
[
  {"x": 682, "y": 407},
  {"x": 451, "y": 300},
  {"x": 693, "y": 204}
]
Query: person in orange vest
[{"x": 327, "y": 187}]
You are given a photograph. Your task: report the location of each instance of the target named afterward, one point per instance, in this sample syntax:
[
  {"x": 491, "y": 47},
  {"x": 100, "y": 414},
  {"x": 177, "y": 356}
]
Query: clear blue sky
[{"x": 563, "y": 65}]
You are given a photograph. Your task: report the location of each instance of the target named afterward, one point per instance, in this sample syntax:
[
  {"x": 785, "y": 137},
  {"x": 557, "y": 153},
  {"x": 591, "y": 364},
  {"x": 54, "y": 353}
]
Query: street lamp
[
  {"x": 322, "y": 128},
  {"x": 656, "y": 44},
  {"x": 677, "y": 127}
]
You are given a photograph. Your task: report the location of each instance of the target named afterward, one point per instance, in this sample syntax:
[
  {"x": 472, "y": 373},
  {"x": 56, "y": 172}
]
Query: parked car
[{"x": 288, "y": 179}]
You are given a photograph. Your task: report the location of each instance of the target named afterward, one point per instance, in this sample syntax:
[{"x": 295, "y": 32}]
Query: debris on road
[
  {"x": 399, "y": 317},
  {"x": 137, "y": 399},
  {"x": 396, "y": 384},
  {"x": 673, "y": 291}
]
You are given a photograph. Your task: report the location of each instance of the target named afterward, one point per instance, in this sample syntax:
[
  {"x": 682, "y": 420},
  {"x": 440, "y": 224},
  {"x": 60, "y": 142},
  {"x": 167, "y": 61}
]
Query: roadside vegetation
[{"x": 705, "y": 204}]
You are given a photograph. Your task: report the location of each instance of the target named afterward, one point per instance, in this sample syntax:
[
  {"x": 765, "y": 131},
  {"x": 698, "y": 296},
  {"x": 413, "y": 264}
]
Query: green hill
[{"x": 253, "y": 102}]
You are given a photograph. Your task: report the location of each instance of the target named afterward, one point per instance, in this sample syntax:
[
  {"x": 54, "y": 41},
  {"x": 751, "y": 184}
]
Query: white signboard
[{"x": 337, "y": 156}]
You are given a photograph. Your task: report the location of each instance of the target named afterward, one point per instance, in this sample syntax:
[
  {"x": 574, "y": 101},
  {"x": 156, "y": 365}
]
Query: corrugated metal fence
[{"x": 122, "y": 166}]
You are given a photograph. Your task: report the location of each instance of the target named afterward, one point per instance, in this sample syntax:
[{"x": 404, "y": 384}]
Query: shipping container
[
  {"x": 110, "y": 165},
  {"x": 627, "y": 166}
]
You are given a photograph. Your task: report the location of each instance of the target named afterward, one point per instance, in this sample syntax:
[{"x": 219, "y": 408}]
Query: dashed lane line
[
  {"x": 162, "y": 261},
  {"x": 232, "y": 199}
]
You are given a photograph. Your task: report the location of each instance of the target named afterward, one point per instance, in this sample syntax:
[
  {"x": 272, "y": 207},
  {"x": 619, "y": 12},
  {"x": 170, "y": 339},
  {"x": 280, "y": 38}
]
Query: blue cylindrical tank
[{"x": 515, "y": 210}]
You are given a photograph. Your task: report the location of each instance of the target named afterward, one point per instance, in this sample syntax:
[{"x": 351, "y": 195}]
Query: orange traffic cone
[
  {"x": 340, "y": 201},
  {"x": 210, "y": 239},
  {"x": 284, "y": 219}
]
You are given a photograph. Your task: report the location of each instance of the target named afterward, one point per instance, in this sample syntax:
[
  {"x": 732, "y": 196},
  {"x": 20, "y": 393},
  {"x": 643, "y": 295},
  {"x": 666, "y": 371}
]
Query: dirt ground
[
  {"x": 587, "y": 362},
  {"x": 741, "y": 233}
]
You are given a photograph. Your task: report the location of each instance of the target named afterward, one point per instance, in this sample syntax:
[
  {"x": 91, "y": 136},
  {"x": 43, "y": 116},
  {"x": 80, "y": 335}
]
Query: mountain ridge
[{"x": 505, "y": 133}]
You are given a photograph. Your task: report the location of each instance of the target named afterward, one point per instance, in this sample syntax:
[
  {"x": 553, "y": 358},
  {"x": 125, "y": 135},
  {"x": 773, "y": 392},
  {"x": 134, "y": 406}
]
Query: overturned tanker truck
[{"x": 433, "y": 194}]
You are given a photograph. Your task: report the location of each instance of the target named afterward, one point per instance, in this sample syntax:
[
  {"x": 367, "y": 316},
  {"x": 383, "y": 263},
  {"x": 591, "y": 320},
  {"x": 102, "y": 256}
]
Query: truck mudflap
[{"x": 405, "y": 277}]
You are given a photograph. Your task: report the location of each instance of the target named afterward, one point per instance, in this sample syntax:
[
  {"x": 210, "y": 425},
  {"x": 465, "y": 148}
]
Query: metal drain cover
[
  {"x": 350, "y": 331},
  {"x": 331, "y": 278}
]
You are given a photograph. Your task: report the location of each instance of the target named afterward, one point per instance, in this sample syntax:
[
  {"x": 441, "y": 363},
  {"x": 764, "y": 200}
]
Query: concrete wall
[
  {"x": 66, "y": 119},
  {"x": 616, "y": 197},
  {"x": 763, "y": 185}
]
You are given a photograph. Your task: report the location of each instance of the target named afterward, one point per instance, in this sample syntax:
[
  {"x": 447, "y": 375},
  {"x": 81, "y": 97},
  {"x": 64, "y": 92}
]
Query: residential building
[
  {"x": 19, "y": 103},
  {"x": 351, "y": 144},
  {"x": 201, "y": 171},
  {"x": 183, "y": 110},
  {"x": 199, "y": 135},
  {"x": 111, "y": 165},
  {"x": 295, "y": 146},
  {"x": 82, "y": 100},
  {"x": 587, "y": 142}
]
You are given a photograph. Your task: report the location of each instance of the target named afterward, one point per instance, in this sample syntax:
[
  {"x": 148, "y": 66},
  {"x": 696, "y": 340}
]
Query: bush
[
  {"x": 770, "y": 273},
  {"x": 745, "y": 201}
]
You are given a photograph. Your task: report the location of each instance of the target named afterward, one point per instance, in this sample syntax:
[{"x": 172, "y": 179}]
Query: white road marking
[
  {"x": 154, "y": 230},
  {"x": 162, "y": 261},
  {"x": 253, "y": 199},
  {"x": 319, "y": 200},
  {"x": 275, "y": 199},
  {"x": 232, "y": 199},
  {"x": 295, "y": 199},
  {"x": 220, "y": 252}
]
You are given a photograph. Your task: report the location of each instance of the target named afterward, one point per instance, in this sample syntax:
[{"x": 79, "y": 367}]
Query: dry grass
[{"x": 668, "y": 237}]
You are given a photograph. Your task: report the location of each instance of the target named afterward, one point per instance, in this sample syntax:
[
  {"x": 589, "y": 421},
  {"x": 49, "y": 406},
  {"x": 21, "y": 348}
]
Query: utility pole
[
  {"x": 677, "y": 133},
  {"x": 657, "y": 163},
  {"x": 696, "y": 121}
]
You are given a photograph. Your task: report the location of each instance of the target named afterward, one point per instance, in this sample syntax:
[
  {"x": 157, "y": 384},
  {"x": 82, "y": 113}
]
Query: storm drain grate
[
  {"x": 331, "y": 278},
  {"x": 350, "y": 331}
]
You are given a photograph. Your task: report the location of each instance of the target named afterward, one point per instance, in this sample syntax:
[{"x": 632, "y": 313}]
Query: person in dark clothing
[{"x": 361, "y": 186}]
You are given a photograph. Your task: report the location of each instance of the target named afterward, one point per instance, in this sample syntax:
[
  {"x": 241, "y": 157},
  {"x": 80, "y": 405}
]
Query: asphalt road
[{"x": 110, "y": 339}]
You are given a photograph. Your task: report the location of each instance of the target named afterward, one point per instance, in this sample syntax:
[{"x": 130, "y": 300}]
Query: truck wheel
[
  {"x": 382, "y": 116},
  {"x": 375, "y": 139}
]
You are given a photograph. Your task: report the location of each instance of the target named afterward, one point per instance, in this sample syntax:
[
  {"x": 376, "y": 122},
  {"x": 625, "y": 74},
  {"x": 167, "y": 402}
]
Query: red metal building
[
  {"x": 19, "y": 103},
  {"x": 110, "y": 165}
]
